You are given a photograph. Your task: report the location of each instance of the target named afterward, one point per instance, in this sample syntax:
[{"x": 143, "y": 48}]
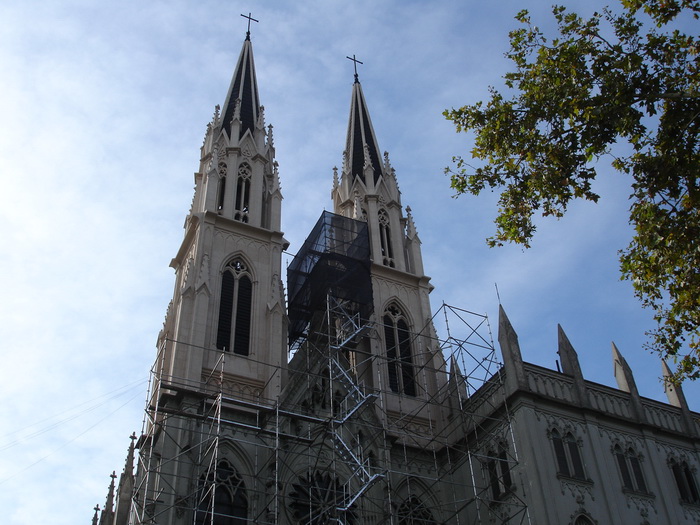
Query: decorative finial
[
  {"x": 368, "y": 159},
  {"x": 250, "y": 18},
  {"x": 109, "y": 504},
  {"x": 270, "y": 138},
  {"x": 237, "y": 110},
  {"x": 357, "y": 80},
  {"x": 410, "y": 225},
  {"x": 261, "y": 117},
  {"x": 346, "y": 164},
  {"x": 276, "y": 172},
  {"x": 387, "y": 167}
]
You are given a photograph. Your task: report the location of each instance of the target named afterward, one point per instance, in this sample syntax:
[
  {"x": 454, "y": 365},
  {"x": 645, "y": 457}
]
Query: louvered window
[
  {"x": 235, "y": 307},
  {"x": 397, "y": 338}
]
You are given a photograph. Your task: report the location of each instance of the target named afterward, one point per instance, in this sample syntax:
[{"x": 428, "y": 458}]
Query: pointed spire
[
  {"x": 107, "y": 515},
  {"x": 510, "y": 348},
  {"x": 676, "y": 397},
  {"x": 242, "y": 100},
  {"x": 361, "y": 148},
  {"x": 626, "y": 383},
  {"x": 456, "y": 376},
  {"x": 456, "y": 386},
  {"x": 673, "y": 391},
  {"x": 126, "y": 487},
  {"x": 622, "y": 371},
  {"x": 109, "y": 505},
  {"x": 568, "y": 356},
  {"x": 410, "y": 225},
  {"x": 129, "y": 465},
  {"x": 571, "y": 366},
  {"x": 96, "y": 517}
]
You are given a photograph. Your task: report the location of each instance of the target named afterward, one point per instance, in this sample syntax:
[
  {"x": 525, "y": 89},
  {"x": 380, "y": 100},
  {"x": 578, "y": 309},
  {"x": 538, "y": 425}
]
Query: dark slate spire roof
[
  {"x": 361, "y": 133},
  {"x": 244, "y": 86}
]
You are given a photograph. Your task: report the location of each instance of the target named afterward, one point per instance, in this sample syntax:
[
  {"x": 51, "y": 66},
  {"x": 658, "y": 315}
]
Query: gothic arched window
[
  {"x": 222, "y": 187},
  {"x": 630, "y": 469},
  {"x": 230, "y": 505},
  {"x": 319, "y": 498},
  {"x": 685, "y": 481},
  {"x": 498, "y": 469},
  {"x": 235, "y": 309},
  {"x": 568, "y": 454},
  {"x": 397, "y": 339},
  {"x": 385, "y": 238},
  {"x": 242, "y": 193},
  {"x": 414, "y": 512}
]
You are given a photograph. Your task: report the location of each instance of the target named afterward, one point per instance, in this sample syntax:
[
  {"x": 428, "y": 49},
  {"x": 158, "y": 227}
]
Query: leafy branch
[{"x": 575, "y": 97}]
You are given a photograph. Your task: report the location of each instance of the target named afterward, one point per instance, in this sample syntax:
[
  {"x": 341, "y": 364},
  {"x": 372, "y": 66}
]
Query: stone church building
[{"x": 335, "y": 399}]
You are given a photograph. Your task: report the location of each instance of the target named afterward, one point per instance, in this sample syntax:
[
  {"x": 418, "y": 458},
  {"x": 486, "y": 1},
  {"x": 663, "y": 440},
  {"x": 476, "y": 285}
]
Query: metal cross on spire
[
  {"x": 355, "y": 64},
  {"x": 250, "y": 19}
]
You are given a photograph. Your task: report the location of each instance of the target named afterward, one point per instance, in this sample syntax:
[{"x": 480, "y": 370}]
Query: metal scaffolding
[{"x": 339, "y": 444}]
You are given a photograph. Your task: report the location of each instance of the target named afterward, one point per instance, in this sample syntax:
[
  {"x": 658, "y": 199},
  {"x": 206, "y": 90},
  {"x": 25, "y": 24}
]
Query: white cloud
[{"x": 104, "y": 108}]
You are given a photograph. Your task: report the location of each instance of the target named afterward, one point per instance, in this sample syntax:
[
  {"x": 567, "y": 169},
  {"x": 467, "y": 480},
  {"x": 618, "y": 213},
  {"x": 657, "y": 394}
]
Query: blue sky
[{"x": 104, "y": 107}]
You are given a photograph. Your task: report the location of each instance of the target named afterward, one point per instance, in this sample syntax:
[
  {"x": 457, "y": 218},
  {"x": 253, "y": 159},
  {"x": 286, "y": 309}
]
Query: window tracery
[
  {"x": 318, "y": 498},
  {"x": 685, "y": 481},
  {"x": 222, "y": 498},
  {"x": 222, "y": 168},
  {"x": 568, "y": 455},
  {"x": 630, "y": 469},
  {"x": 235, "y": 307},
  {"x": 385, "y": 238},
  {"x": 242, "y": 192},
  {"x": 397, "y": 340},
  {"x": 498, "y": 470},
  {"x": 414, "y": 512}
]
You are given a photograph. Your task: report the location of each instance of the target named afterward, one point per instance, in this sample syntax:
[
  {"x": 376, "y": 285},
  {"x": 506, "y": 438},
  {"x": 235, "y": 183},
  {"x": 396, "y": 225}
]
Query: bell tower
[
  {"x": 228, "y": 296},
  {"x": 222, "y": 352},
  {"x": 409, "y": 368}
]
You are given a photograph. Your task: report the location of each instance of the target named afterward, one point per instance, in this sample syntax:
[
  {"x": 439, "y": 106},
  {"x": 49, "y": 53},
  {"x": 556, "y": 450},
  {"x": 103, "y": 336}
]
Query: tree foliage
[{"x": 617, "y": 77}]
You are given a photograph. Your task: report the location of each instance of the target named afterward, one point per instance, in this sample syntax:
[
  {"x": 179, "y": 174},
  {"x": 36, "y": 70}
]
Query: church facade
[{"x": 335, "y": 399}]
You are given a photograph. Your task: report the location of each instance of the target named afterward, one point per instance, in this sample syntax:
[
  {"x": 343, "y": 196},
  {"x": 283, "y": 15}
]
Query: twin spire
[{"x": 243, "y": 102}]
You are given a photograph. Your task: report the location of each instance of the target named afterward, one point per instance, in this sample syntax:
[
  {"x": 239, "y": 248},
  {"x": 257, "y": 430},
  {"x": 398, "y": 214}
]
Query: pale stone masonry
[{"x": 333, "y": 403}]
